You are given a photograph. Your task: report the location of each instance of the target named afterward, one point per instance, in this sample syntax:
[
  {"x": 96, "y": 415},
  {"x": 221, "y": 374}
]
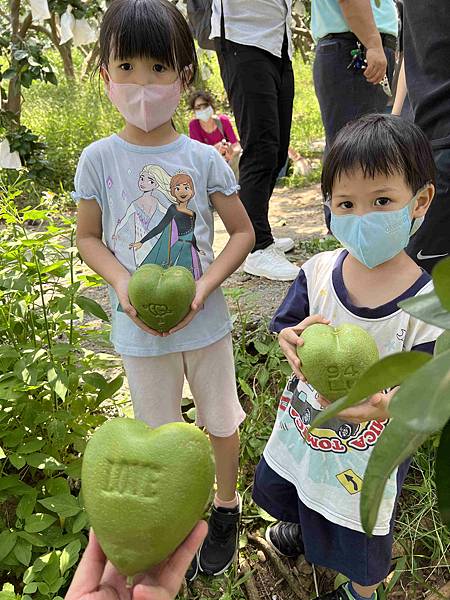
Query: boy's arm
[
  {"x": 101, "y": 260},
  {"x": 241, "y": 241}
]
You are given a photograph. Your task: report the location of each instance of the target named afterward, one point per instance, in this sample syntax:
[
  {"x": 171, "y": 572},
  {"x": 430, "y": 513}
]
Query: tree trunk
[
  {"x": 65, "y": 50},
  {"x": 14, "y": 100}
]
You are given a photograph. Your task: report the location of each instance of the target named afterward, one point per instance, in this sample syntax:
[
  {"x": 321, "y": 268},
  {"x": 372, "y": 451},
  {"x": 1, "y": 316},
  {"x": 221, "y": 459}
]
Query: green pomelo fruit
[
  {"x": 162, "y": 297},
  {"x": 333, "y": 358},
  {"x": 144, "y": 489}
]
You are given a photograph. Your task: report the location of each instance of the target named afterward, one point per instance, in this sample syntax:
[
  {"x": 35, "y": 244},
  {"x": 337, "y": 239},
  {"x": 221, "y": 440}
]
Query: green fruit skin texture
[
  {"x": 333, "y": 358},
  {"x": 144, "y": 489},
  {"x": 162, "y": 297}
]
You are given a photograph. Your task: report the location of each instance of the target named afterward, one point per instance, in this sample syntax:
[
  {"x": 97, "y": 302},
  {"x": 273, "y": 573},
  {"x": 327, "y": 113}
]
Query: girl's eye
[
  {"x": 125, "y": 67},
  {"x": 382, "y": 201},
  {"x": 159, "y": 68},
  {"x": 346, "y": 204}
]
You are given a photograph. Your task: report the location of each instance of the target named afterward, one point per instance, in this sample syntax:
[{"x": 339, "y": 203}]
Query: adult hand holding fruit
[
  {"x": 97, "y": 579},
  {"x": 289, "y": 340}
]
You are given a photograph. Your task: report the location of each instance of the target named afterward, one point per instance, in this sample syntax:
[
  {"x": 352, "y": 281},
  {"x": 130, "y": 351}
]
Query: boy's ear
[{"x": 423, "y": 201}]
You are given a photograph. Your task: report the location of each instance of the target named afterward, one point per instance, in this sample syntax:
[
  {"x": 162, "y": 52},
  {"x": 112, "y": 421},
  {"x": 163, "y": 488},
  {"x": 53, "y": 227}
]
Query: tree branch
[{"x": 26, "y": 24}]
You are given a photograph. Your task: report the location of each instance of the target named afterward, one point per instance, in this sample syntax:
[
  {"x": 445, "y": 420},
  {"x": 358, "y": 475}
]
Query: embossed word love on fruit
[
  {"x": 333, "y": 358},
  {"x": 144, "y": 489},
  {"x": 162, "y": 297}
]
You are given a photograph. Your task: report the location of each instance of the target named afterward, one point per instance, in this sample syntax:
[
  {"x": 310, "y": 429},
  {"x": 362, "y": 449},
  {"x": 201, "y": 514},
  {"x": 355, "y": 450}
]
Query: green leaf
[
  {"x": 80, "y": 522},
  {"x": 95, "y": 379},
  {"x": 26, "y": 505},
  {"x": 191, "y": 413},
  {"x": 441, "y": 281},
  {"x": 443, "y": 475},
  {"x": 65, "y": 505},
  {"x": 7, "y": 542},
  {"x": 22, "y": 551},
  {"x": 31, "y": 446},
  {"x": 428, "y": 308},
  {"x": 30, "y": 588},
  {"x": 442, "y": 343},
  {"x": 92, "y": 307},
  {"x": 69, "y": 556},
  {"x": 110, "y": 389},
  {"x": 44, "y": 461},
  {"x": 38, "y": 522},
  {"x": 261, "y": 348},
  {"x": 395, "y": 445},
  {"x": 246, "y": 388},
  {"x": 422, "y": 402},
  {"x": 17, "y": 460},
  {"x": 386, "y": 373}
]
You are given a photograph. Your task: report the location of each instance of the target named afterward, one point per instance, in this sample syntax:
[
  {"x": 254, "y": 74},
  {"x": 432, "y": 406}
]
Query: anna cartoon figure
[{"x": 177, "y": 244}]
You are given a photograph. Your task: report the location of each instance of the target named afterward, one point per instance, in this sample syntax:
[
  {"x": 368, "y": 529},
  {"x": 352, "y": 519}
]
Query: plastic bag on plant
[
  {"x": 67, "y": 24},
  {"x": 8, "y": 159},
  {"x": 83, "y": 33},
  {"x": 39, "y": 10}
]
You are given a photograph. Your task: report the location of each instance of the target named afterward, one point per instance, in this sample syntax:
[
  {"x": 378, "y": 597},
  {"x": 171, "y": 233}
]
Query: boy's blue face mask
[{"x": 377, "y": 236}]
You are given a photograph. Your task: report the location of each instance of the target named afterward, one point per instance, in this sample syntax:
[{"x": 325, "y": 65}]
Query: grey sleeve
[{"x": 88, "y": 184}]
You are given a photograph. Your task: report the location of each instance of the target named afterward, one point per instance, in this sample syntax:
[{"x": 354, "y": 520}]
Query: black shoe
[
  {"x": 340, "y": 593},
  {"x": 221, "y": 544},
  {"x": 192, "y": 571},
  {"x": 286, "y": 539}
]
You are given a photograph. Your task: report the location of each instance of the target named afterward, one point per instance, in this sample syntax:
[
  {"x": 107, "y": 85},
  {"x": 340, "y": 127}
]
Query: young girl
[{"x": 147, "y": 58}]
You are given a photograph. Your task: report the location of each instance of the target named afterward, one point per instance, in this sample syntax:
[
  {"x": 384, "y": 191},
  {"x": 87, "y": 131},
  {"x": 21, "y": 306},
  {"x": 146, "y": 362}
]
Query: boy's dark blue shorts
[{"x": 362, "y": 559}]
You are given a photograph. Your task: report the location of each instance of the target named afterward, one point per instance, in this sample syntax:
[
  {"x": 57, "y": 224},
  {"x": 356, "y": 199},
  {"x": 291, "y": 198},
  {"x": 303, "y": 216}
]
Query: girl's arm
[
  {"x": 242, "y": 239},
  {"x": 101, "y": 260}
]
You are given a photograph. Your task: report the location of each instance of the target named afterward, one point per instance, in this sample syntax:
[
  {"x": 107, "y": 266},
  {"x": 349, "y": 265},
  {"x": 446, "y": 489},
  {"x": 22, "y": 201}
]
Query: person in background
[
  {"x": 209, "y": 128},
  {"x": 425, "y": 80},
  {"x": 254, "y": 49},
  {"x": 97, "y": 579},
  {"x": 347, "y": 32}
]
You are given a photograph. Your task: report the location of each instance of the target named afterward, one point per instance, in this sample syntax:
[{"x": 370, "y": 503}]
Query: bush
[{"x": 50, "y": 397}]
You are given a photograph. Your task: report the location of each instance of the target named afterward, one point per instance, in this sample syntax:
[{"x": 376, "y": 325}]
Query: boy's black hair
[
  {"x": 380, "y": 144},
  {"x": 148, "y": 29},
  {"x": 204, "y": 95}
]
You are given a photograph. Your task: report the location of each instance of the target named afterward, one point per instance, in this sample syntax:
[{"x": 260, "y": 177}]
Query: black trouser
[
  {"x": 431, "y": 243},
  {"x": 260, "y": 89},
  {"x": 345, "y": 94}
]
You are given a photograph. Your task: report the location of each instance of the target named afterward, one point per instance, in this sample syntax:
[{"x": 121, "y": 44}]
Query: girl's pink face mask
[{"x": 145, "y": 106}]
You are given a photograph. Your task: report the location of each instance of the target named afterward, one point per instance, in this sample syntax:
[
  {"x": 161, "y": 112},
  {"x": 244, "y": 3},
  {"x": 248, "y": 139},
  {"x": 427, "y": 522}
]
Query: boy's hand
[
  {"x": 121, "y": 289},
  {"x": 197, "y": 304},
  {"x": 375, "y": 408},
  {"x": 289, "y": 340}
]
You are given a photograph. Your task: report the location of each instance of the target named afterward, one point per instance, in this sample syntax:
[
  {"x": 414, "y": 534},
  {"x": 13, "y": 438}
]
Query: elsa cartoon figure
[
  {"x": 176, "y": 244},
  {"x": 147, "y": 210}
]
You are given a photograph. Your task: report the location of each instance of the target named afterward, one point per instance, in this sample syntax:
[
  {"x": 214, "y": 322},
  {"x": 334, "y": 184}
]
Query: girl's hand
[
  {"x": 375, "y": 408},
  {"x": 121, "y": 289},
  {"x": 289, "y": 340},
  {"x": 197, "y": 304}
]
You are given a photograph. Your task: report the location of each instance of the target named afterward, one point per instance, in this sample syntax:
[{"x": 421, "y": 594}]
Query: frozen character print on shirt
[
  {"x": 176, "y": 244},
  {"x": 145, "y": 212}
]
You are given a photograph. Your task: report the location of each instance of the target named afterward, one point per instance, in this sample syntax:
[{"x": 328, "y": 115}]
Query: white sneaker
[
  {"x": 271, "y": 264},
  {"x": 284, "y": 244}
]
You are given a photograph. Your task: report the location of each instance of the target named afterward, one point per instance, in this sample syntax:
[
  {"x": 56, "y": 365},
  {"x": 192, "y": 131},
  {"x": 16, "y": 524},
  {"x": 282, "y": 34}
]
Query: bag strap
[{"x": 219, "y": 124}]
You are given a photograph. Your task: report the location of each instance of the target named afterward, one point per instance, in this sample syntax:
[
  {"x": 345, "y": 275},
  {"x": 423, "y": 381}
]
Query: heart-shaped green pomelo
[
  {"x": 144, "y": 489},
  {"x": 162, "y": 297},
  {"x": 333, "y": 358}
]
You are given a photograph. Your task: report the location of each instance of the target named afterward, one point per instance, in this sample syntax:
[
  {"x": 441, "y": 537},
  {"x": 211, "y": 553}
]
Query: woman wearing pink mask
[
  {"x": 214, "y": 130},
  {"x": 147, "y": 59}
]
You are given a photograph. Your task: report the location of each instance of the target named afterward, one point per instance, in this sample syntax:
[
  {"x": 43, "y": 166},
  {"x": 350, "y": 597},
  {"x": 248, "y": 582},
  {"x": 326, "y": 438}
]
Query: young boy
[{"x": 378, "y": 181}]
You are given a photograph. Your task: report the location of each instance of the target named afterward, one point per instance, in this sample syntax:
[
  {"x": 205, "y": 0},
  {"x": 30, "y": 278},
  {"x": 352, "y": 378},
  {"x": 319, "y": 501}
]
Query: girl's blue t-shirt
[{"x": 138, "y": 189}]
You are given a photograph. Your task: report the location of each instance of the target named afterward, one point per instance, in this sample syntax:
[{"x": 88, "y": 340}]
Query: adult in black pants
[
  {"x": 344, "y": 94},
  {"x": 426, "y": 61},
  {"x": 254, "y": 53}
]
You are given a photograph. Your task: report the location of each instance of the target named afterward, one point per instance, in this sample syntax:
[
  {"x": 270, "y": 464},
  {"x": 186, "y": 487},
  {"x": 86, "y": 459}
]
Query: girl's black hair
[
  {"x": 148, "y": 29},
  {"x": 380, "y": 144},
  {"x": 206, "y": 96}
]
